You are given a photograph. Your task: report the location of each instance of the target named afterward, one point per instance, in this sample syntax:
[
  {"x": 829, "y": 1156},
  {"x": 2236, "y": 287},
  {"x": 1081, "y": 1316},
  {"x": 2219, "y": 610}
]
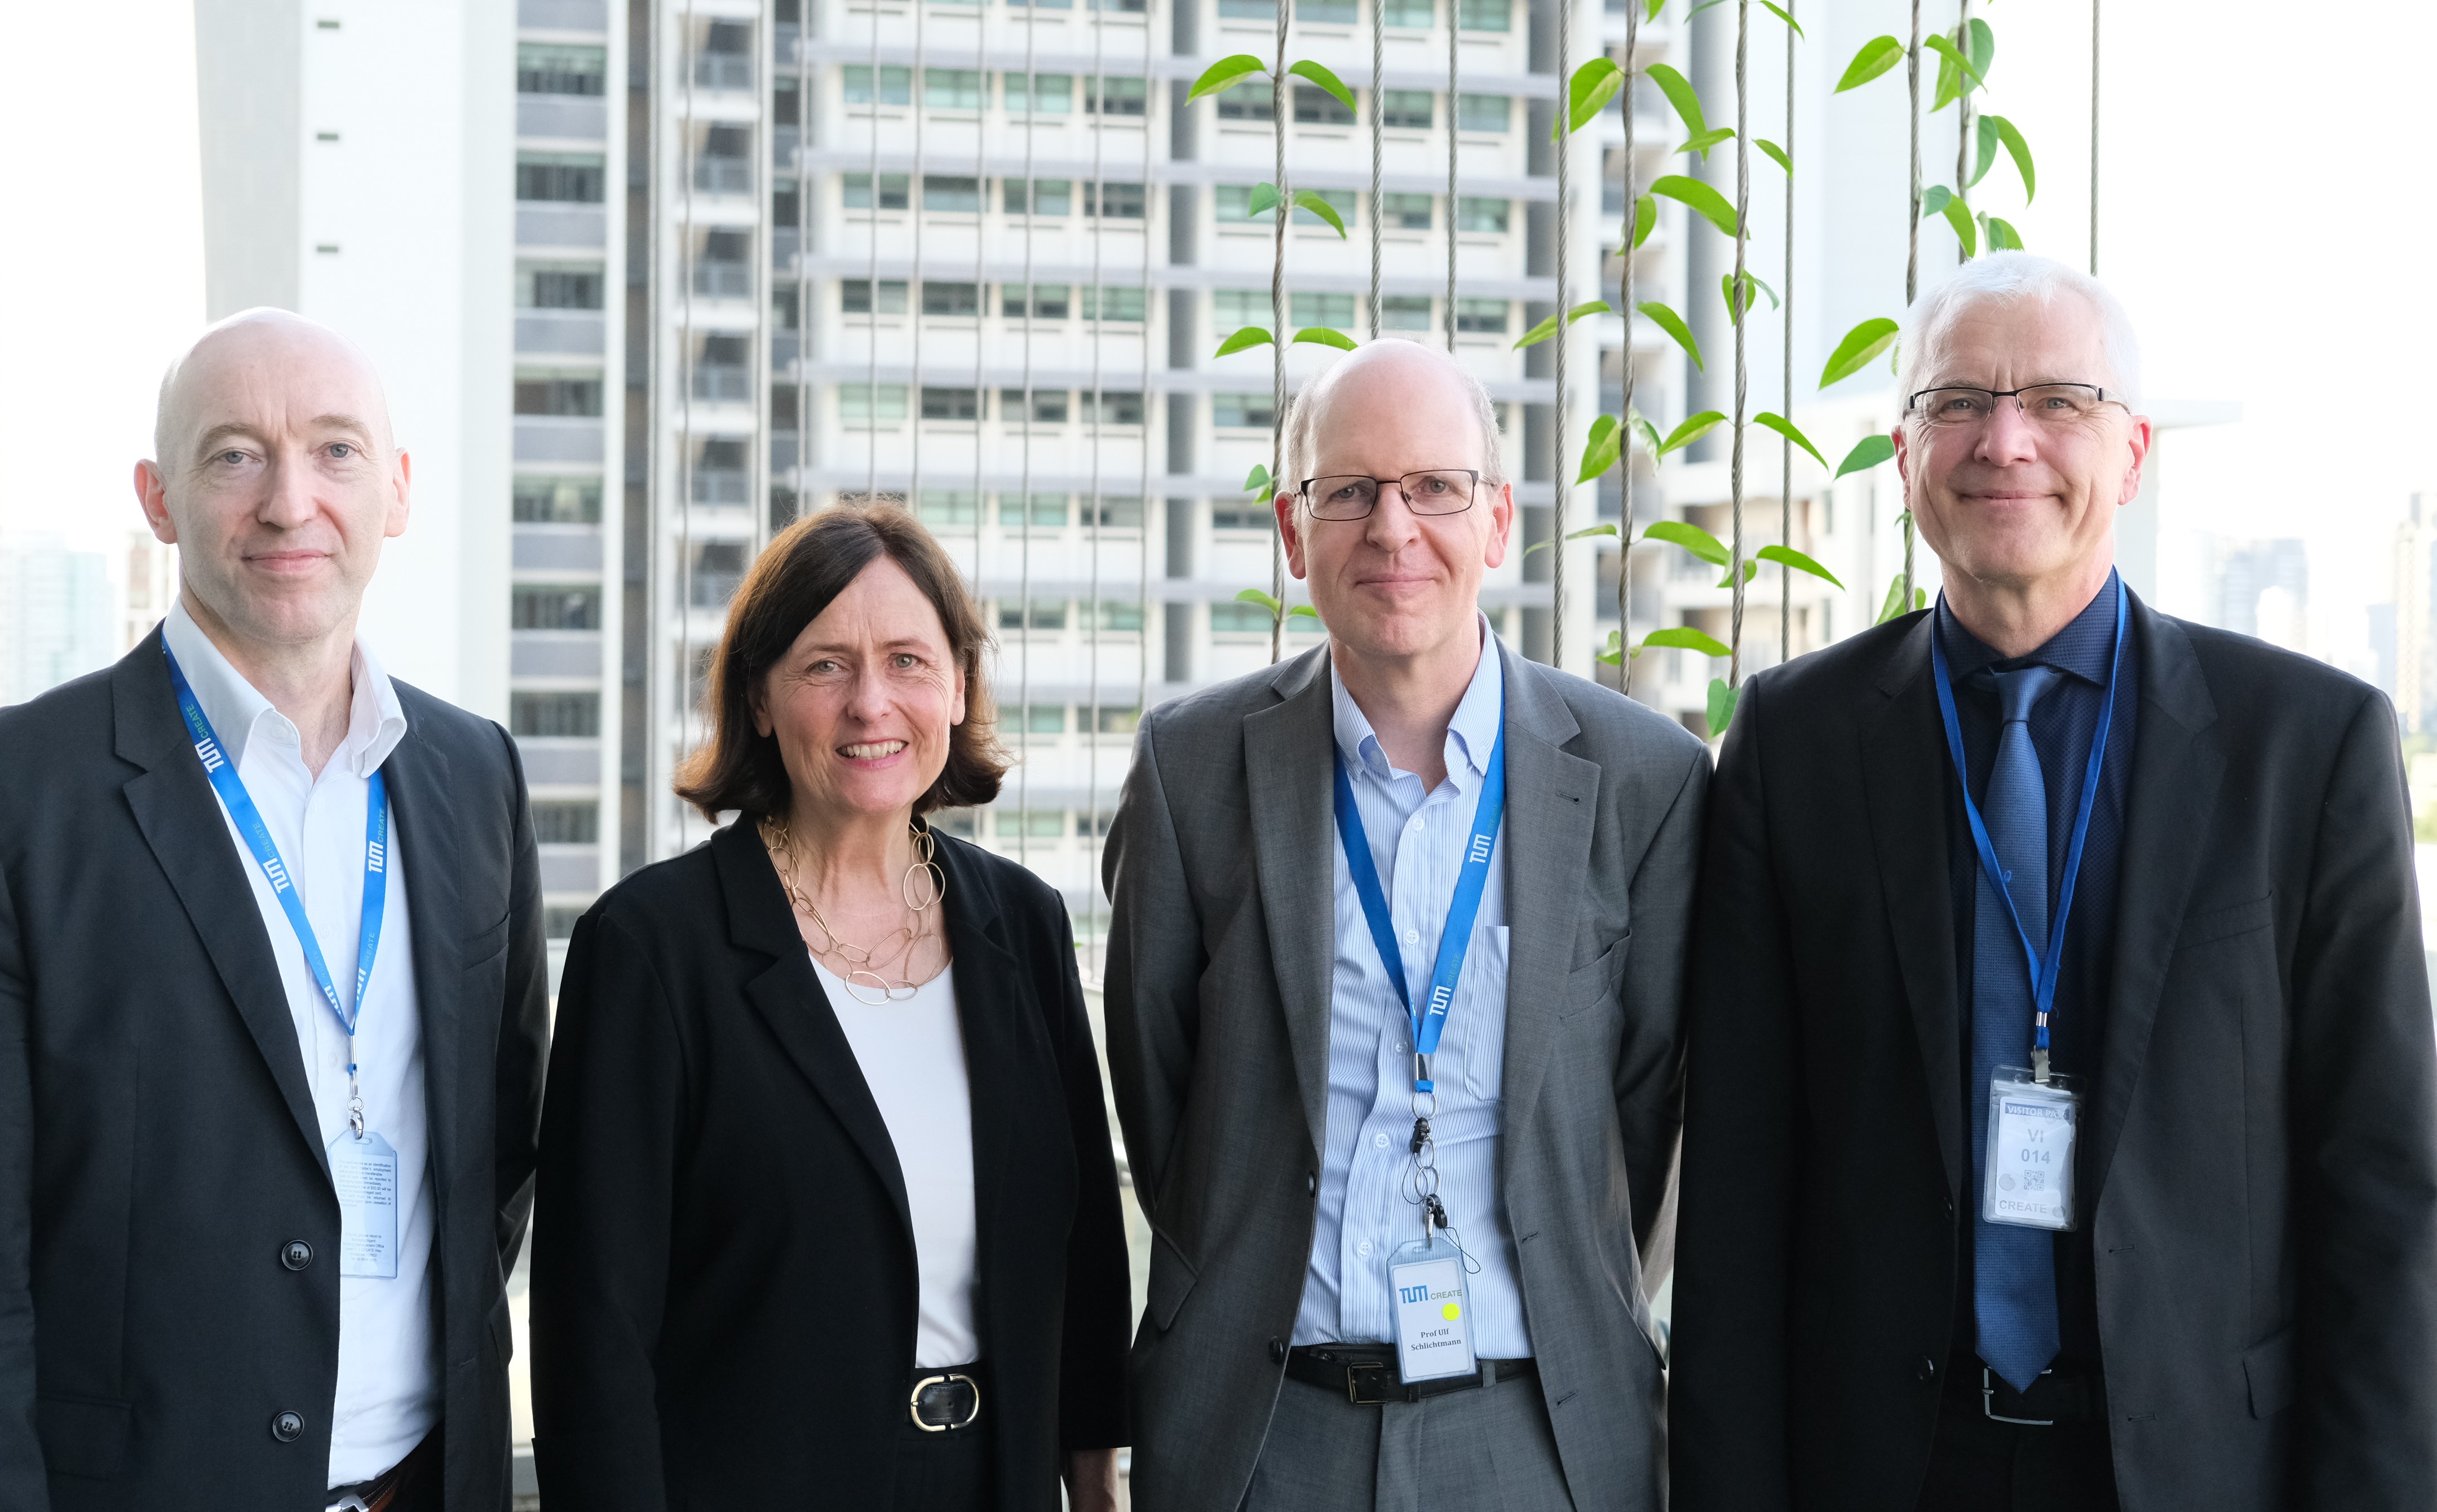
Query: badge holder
[
  {"x": 1434, "y": 1310},
  {"x": 2031, "y": 1127}
]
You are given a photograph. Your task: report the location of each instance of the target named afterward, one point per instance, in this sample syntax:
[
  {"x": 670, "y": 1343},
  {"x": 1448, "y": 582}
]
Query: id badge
[
  {"x": 1434, "y": 1310},
  {"x": 2031, "y": 1128},
  {"x": 364, "y": 1172}
]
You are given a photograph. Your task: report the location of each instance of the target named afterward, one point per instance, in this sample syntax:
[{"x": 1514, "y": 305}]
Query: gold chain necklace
[{"x": 922, "y": 889}]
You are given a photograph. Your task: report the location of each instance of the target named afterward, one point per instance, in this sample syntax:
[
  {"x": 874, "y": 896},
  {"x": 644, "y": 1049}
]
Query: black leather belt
[
  {"x": 2063, "y": 1395},
  {"x": 1366, "y": 1373},
  {"x": 946, "y": 1402}
]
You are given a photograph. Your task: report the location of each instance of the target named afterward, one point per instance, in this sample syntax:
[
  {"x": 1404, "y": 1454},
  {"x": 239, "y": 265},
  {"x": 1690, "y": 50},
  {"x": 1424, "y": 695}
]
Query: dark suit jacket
[
  {"x": 158, "y": 1144},
  {"x": 724, "y": 1275},
  {"x": 2258, "y": 1153}
]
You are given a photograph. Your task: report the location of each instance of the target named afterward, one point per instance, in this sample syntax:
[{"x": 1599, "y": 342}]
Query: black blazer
[
  {"x": 2258, "y": 1154},
  {"x": 158, "y": 1151},
  {"x": 724, "y": 1282}
]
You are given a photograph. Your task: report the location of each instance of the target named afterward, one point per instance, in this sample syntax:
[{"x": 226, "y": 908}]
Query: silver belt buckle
[
  {"x": 1989, "y": 1403},
  {"x": 943, "y": 1385}
]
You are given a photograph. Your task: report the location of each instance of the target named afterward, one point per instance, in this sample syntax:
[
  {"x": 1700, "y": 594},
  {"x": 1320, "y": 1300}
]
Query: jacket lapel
[
  {"x": 417, "y": 778},
  {"x": 2177, "y": 768},
  {"x": 1287, "y": 766},
  {"x": 1903, "y": 760},
  {"x": 1551, "y": 802},
  {"x": 789, "y": 998},
  {"x": 997, "y": 1022},
  {"x": 180, "y": 814}
]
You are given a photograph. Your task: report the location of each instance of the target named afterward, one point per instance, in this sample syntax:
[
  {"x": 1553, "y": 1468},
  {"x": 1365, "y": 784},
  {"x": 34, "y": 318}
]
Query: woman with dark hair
[{"x": 827, "y": 1213}]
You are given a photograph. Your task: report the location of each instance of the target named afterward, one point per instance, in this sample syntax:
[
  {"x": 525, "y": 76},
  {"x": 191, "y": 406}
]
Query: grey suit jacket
[{"x": 1220, "y": 865}]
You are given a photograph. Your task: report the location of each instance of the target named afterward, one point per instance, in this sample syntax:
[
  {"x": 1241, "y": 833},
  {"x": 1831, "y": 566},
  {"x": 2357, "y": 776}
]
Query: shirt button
[
  {"x": 1378, "y": 1141},
  {"x": 1416, "y": 826},
  {"x": 1363, "y": 1248},
  {"x": 1413, "y": 937},
  {"x": 1403, "y": 1048},
  {"x": 288, "y": 1427}
]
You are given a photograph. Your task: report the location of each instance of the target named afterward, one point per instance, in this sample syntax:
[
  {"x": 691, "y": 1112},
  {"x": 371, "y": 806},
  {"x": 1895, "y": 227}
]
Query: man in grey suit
[{"x": 1318, "y": 1099}]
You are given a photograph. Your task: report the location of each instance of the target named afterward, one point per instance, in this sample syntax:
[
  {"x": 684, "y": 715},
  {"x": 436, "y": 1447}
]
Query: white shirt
[
  {"x": 389, "y": 1389},
  {"x": 1417, "y": 839},
  {"x": 913, "y": 1060}
]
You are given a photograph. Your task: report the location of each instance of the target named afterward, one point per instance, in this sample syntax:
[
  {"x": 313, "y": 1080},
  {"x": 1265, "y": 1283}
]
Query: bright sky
[{"x": 2261, "y": 226}]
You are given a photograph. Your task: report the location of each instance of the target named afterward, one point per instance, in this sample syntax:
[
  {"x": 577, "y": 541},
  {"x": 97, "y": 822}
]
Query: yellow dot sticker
[{"x": 1451, "y": 1313}]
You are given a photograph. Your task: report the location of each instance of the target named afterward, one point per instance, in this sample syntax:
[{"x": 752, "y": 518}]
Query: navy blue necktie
[{"x": 2014, "y": 1267}]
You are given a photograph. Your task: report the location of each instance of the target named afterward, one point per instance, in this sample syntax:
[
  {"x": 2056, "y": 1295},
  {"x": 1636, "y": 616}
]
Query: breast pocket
[{"x": 1479, "y": 1024}]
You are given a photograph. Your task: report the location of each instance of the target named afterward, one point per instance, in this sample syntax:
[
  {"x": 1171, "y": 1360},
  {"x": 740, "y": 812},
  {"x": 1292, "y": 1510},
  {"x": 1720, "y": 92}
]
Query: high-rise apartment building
[{"x": 55, "y": 614}]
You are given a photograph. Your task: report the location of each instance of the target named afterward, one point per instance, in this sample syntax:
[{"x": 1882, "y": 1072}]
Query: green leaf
[
  {"x": 1958, "y": 215},
  {"x": 1654, "y": 10},
  {"x": 1615, "y": 652},
  {"x": 1641, "y": 426},
  {"x": 1602, "y": 448},
  {"x": 1673, "y": 324},
  {"x": 1645, "y": 216},
  {"x": 1682, "y": 94},
  {"x": 1595, "y": 84},
  {"x": 1323, "y": 336},
  {"x": 2002, "y": 235},
  {"x": 1788, "y": 556},
  {"x": 1257, "y": 480},
  {"x": 1310, "y": 200},
  {"x": 1790, "y": 432},
  {"x": 1751, "y": 281},
  {"x": 1787, "y": 18},
  {"x": 1318, "y": 75},
  {"x": 1694, "y": 429},
  {"x": 1877, "y": 55},
  {"x": 1264, "y": 197},
  {"x": 1894, "y": 604},
  {"x": 1304, "y": 609},
  {"x": 1549, "y": 327},
  {"x": 1986, "y": 153},
  {"x": 1983, "y": 45},
  {"x": 1867, "y": 453},
  {"x": 1776, "y": 153},
  {"x": 1254, "y": 595},
  {"x": 1703, "y": 6},
  {"x": 1572, "y": 536},
  {"x": 1729, "y": 580},
  {"x": 1933, "y": 199},
  {"x": 1223, "y": 72},
  {"x": 1707, "y": 203},
  {"x": 1706, "y": 140},
  {"x": 1722, "y": 706},
  {"x": 1952, "y": 54},
  {"x": 2017, "y": 148},
  {"x": 1685, "y": 638},
  {"x": 1251, "y": 336},
  {"x": 1691, "y": 536},
  {"x": 1861, "y": 343}
]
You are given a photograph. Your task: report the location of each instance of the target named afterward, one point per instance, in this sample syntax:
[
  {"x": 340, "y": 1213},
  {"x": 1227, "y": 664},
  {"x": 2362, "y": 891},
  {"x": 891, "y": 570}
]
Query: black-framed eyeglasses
[
  {"x": 1430, "y": 491},
  {"x": 2043, "y": 403}
]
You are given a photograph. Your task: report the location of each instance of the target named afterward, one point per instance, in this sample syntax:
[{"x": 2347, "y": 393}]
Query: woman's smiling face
[{"x": 862, "y": 701}]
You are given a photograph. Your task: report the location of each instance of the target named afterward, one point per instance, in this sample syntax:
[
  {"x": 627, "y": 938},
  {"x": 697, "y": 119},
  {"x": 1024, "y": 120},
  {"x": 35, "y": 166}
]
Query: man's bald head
[
  {"x": 1393, "y": 371},
  {"x": 256, "y": 336}
]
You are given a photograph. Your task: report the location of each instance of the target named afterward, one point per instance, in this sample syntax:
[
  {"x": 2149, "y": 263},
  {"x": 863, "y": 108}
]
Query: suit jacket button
[
  {"x": 1928, "y": 1368},
  {"x": 288, "y": 1427},
  {"x": 296, "y": 1254},
  {"x": 1311, "y": 1182},
  {"x": 1278, "y": 1350}
]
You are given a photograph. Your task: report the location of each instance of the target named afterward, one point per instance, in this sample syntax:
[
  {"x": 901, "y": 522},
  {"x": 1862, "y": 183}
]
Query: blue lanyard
[
  {"x": 231, "y": 788},
  {"x": 2044, "y": 966},
  {"x": 1431, "y": 1021}
]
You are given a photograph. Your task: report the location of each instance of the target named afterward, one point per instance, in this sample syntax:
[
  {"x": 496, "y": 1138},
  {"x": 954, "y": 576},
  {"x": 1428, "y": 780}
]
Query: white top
[
  {"x": 389, "y": 1388},
  {"x": 913, "y": 1059}
]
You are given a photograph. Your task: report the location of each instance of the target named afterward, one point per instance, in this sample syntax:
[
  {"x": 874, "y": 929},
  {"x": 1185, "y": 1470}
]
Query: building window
[
  {"x": 856, "y": 190},
  {"x": 1117, "y": 95},
  {"x": 1485, "y": 15},
  {"x": 786, "y": 103},
  {"x": 1118, "y": 514},
  {"x": 951, "y": 404},
  {"x": 783, "y": 315},
  {"x": 1484, "y": 112},
  {"x": 1405, "y": 212},
  {"x": 719, "y": 472},
  {"x": 555, "y": 500},
  {"x": 1341, "y": 201},
  {"x": 786, "y": 203},
  {"x": 544, "y": 68},
  {"x": 1231, "y": 309},
  {"x": 1251, "y": 99},
  {"x": 566, "y": 821},
  {"x": 558, "y": 920},
  {"x": 547, "y": 394},
  {"x": 1119, "y": 617},
  {"x": 854, "y": 297},
  {"x": 1474, "y": 214},
  {"x": 725, "y": 163},
  {"x": 726, "y": 58},
  {"x": 1117, "y": 303},
  {"x": 949, "y": 192},
  {"x": 952, "y": 89},
  {"x": 1405, "y": 313},
  {"x": 950, "y": 298},
  {"x": 718, "y": 570},
  {"x": 1242, "y": 411},
  {"x": 1119, "y": 201},
  {"x": 895, "y": 84},
  {"x": 1483, "y": 316},
  {"x": 1315, "y": 106},
  {"x": 722, "y": 368},
  {"x": 1335, "y": 310},
  {"x": 1048, "y": 408},
  {"x": 569, "y": 178},
  {"x": 1048, "y": 614},
  {"x": 1248, "y": 11},
  {"x": 948, "y": 508},
  {"x": 1327, "y": 12},
  {"x": 1050, "y": 196},
  {"x": 1032, "y": 823},
  {"x": 558, "y": 286},
  {"x": 1057, "y": 93},
  {"x": 861, "y": 404},
  {"x": 1239, "y": 618},
  {"x": 785, "y": 400},
  {"x": 554, "y": 606},
  {"x": 1413, "y": 109},
  {"x": 1421, "y": 15},
  {"x": 554, "y": 714},
  {"x": 1049, "y": 301},
  {"x": 1233, "y": 517},
  {"x": 1120, "y": 721},
  {"x": 1123, "y": 407},
  {"x": 1049, "y": 510}
]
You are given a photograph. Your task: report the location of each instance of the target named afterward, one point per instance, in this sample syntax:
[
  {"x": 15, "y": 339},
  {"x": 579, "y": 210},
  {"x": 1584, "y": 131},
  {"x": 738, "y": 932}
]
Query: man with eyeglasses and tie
[
  {"x": 2061, "y": 1117},
  {"x": 1392, "y": 992}
]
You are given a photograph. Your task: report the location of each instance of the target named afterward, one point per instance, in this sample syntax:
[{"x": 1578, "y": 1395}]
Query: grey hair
[
  {"x": 1303, "y": 407},
  {"x": 2006, "y": 277}
]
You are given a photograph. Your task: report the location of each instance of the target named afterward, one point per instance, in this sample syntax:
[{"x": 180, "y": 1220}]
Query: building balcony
[
  {"x": 561, "y": 332},
  {"x": 556, "y": 548},
  {"x": 723, "y": 175},
  {"x": 723, "y": 70},
  {"x": 558, "y": 438},
  {"x": 563, "y": 15},
  {"x": 721, "y": 381},
  {"x": 572, "y": 117},
  {"x": 562, "y": 225},
  {"x": 724, "y": 280},
  {"x": 554, "y": 653}
]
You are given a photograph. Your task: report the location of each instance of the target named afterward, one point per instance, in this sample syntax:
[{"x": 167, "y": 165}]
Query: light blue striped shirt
[{"x": 1417, "y": 840}]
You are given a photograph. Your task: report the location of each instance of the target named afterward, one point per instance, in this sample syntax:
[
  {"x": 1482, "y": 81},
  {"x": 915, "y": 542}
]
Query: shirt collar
[
  {"x": 1472, "y": 732},
  {"x": 2084, "y": 647},
  {"x": 375, "y": 719}
]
